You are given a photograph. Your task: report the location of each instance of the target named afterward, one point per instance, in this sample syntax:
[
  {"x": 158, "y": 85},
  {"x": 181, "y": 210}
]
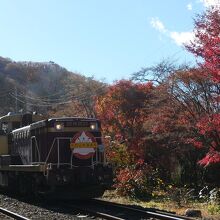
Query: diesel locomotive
[{"x": 62, "y": 156}]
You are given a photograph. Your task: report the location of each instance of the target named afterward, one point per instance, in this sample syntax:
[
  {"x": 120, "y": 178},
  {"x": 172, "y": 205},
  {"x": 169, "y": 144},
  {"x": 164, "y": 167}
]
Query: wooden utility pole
[{"x": 16, "y": 100}]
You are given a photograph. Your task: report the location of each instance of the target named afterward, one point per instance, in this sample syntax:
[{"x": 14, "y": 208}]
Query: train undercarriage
[{"x": 77, "y": 183}]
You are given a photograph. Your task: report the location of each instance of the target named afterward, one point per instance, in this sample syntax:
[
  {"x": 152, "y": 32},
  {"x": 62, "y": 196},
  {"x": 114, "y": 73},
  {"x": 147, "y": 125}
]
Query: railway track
[
  {"x": 99, "y": 209},
  {"x": 113, "y": 211},
  {"x": 12, "y": 214}
]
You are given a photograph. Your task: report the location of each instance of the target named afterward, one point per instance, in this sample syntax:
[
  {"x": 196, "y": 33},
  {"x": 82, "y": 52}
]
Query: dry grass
[{"x": 209, "y": 211}]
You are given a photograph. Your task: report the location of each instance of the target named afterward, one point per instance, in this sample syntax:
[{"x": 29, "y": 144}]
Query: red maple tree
[
  {"x": 206, "y": 45},
  {"x": 123, "y": 111}
]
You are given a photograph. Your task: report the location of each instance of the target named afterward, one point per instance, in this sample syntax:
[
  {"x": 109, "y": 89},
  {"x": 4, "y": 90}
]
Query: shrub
[
  {"x": 135, "y": 181},
  {"x": 213, "y": 209}
]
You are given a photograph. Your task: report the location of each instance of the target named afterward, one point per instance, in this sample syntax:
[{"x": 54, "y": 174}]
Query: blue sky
[{"x": 104, "y": 39}]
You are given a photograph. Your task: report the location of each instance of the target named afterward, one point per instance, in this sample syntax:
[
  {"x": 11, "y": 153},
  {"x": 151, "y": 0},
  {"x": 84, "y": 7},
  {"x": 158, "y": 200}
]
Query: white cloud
[
  {"x": 158, "y": 25},
  {"x": 208, "y": 3},
  {"x": 189, "y": 7},
  {"x": 181, "y": 38}
]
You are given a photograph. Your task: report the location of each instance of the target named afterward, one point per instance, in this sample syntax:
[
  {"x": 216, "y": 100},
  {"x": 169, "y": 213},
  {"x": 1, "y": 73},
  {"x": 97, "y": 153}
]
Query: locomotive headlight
[
  {"x": 93, "y": 126},
  {"x": 59, "y": 126}
]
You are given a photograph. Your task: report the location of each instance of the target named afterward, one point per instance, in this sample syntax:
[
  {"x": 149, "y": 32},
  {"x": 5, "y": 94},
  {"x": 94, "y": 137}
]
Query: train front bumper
[{"x": 80, "y": 176}]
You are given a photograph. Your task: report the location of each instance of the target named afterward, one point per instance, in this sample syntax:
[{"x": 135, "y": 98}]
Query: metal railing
[{"x": 58, "y": 164}]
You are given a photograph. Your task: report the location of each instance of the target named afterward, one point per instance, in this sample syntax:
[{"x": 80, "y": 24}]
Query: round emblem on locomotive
[{"x": 83, "y": 145}]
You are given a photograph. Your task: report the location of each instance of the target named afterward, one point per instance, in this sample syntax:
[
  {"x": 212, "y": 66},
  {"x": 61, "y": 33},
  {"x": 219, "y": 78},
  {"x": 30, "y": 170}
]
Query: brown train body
[{"x": 61, "y": 155}]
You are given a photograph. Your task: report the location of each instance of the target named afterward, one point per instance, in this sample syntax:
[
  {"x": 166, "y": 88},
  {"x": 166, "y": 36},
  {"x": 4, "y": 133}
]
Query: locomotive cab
[{"x": 59, "y": 154}]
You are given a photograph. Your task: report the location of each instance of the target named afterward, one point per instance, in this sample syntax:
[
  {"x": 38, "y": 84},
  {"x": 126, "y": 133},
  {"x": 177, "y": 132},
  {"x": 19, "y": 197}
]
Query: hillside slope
[{"x": 45, "y": 87}]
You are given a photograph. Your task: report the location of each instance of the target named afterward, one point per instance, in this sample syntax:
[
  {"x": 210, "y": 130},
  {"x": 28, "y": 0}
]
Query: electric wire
[
  {"x": 37, "y": 104},
  {"x": 6, "y": 91},
  {"x": 82, "y": 97},
  {"x": 69, "y": 97}
]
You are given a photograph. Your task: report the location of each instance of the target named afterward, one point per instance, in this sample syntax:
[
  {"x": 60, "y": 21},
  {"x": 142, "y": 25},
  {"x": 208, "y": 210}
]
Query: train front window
[{"x": 69, "y": 124}]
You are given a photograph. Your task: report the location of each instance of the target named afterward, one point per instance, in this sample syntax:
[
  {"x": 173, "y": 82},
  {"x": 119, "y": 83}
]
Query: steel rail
[
  {"x": 12, "y": 214},
  {"x": 95, "y": 213},
  {"x": 150, "y": 212}
]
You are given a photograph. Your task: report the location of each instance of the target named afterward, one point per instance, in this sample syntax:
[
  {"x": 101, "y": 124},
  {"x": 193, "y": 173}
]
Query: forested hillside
[{"x": 46, "y": 88}]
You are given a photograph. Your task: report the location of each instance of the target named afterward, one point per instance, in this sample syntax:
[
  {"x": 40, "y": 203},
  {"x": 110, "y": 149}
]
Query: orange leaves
[
  {"x": 134, "y": 181},
  {"x": 122, "y": 109}
]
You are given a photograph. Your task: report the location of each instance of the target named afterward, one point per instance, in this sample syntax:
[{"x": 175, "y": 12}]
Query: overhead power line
[{"x": 37, "y": 101}]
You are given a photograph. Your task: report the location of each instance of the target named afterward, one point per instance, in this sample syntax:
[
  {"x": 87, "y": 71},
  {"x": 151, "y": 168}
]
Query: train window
[
  {"x": 80, "y": 124},
  {"x": 68, "y": 124},
  {"x": 4, "y": 127},
  {"x": 83, "y": 124}
]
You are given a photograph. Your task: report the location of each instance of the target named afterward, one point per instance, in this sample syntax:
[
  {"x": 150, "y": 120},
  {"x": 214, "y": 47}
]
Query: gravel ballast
[{"x": 36, "y": 210}]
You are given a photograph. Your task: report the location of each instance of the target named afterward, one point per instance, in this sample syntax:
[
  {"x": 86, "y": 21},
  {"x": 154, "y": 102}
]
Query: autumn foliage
[
  {"x": 135, "y": 180},
  {"x": 167, "y": 118},
  {"x": 123, "y": 111},
  {"x": 207, "y": 47},
  {"x": 207, "y": 41}
]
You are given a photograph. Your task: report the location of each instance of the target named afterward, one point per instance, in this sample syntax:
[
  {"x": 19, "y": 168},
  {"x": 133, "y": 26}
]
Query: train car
[
  {"x": 13, "y": 121},
  {"x": 64, "y": 156}
]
